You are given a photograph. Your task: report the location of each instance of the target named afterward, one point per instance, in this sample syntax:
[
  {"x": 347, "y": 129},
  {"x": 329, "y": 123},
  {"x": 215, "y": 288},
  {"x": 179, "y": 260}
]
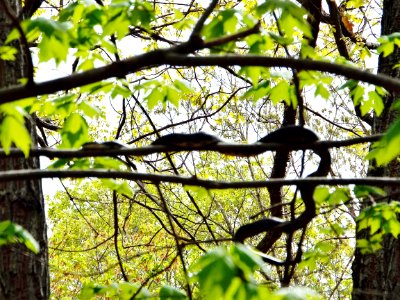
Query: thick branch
[
  {"x": 209, "y": 184},
  {"x": 172, "y": 58},
  {"x": 222, "y": 147}
]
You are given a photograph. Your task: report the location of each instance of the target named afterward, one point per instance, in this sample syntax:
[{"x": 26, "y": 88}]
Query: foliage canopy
[{"x": 142, "y": 69}]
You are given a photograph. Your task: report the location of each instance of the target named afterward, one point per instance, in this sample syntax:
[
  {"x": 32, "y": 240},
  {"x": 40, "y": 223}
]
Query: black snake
[{"x": 292, "y": 136}]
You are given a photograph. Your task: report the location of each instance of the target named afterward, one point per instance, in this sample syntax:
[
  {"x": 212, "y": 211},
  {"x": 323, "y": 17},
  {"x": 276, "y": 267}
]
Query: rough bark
[
  {"x": 23, "y": 274},
  {"x": 377, "y": 275}
]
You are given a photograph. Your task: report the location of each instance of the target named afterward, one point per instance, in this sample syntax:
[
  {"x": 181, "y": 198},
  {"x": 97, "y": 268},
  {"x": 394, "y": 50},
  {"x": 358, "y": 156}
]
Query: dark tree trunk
[
  {"x": 23, "y": 274},
  {"x": 377, "y": 275}
]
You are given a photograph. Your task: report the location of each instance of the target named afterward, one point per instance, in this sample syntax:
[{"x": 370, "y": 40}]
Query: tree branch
[
  {"x": 172, "y": 57},
  {"x": 208, "y": 184},
  {"x": 222, "y": 147}
]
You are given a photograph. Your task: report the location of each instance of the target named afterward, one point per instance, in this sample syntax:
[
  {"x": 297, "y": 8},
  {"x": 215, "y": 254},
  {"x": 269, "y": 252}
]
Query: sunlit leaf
[
  {"x": 88, "y": 109},
  {"x": 173, "y": 96},
  {"x": 388, "y": 147},
  {"x": 388, "y": 43},
  {"x": 365, "y": 190},
  {"x": 121, "y": 90},
  {"x": 14, "y": 233},
  {"x": 280, "y": 92},
  {"x": 118, "y": 186},
  {"x": 321, "y": 194},
  {"x": 296, "y": 293},
  {"x": 154, "y": 98},
  {"x": 8, "y": 52},
  {"x": 181, "y": 86},
  {"x": 171, "y": 293},
  {"x": 14, "y": 131},
  {"x": 75, "y": 131},
  {"x": 255, "y": 93}
]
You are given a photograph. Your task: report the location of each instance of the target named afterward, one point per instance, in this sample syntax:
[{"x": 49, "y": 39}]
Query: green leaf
[
  {"x": 320, "y": 253},
  {"x": 291, "y": 20},
  {"x": 89, "y": 110},
  {"x": 291, "y": 16},
  {"x": 322, "y": 91},
  {"x": 87, "y": 64},
  {"x": 7, "y": 52},
  {"x": 255, "y": 93},
  {"x": 120, "y": 187},
  {"x": 118, "y": 25},
  {"x": 91, "y": 290},
  {"x": 216, "y": 272},
  {"x": 227, "y": 273},
  {"x": 173, "y": 96},
  {"x": 253, "y": 73},
  {"x": 394, "y": 227},
  {"x": 13, "y": 131},
  {"x": 224, "y": 23},
  {"x": 121, "y": 90},
  {"x": 52, "y": 48},
  {"x": 380, "y": 219},
  {"x": 12, "y": 36},
  {"x": 366, "y": 190},
  {"x": 296, "y": 293},
  {"x": 357, "y": 93},
  {"x": 339, "y": 196},
  {"x": 281, "y": 40},
  {"x": 170, "y": 293},
  {"x": 350, "y": 84},
  {"x": 109, "y": 163},
  {"x": 14, "y": 233},
  {"x": 321, "y": 194},
  {"x": 309, "y": 261},
  {"x": 388, "y": 147},
  {"x": 75, "y": 131},
  {"x": 55, "y": 40},
  {"x": 98, "y": 87},
  {"x": 59, "y": 163},
  {"x": 197, "y": 191},
  {"x": 181, "y": 86},
  {"x": 369, "y": 246},
  {"x": 376, "y": 102},
  {"x": 258, "y": 44},
  {"x": 122, "y": 291},
  {"x": 280, "y": 92},
  {"x": 127, "y": 290},
  {"x": 374, "y": 225},
  {"x": 142, "y": 14},
  {"x": 247, "y": 260},
  {"x": 388, "y": 43},
  {"x": 355, "y": 3},
  {"x": 154, "y": 98}
]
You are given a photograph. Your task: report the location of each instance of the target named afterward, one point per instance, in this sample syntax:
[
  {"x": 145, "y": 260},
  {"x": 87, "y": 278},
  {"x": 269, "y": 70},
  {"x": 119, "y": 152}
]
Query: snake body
[
  {"x": 187, "y": 140},
  {"x": 294, "y": 136},
  {"x": 291, "y": 135}
]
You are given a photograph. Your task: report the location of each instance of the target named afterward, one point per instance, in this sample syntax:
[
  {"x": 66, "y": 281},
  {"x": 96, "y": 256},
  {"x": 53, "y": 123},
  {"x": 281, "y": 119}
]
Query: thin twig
[
  {"x": 116, "y": 232},
  {"x": 178, "y": 244}
]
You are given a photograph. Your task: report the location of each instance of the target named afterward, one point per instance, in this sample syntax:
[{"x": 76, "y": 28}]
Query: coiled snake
[{"x": 293, "y": 136}]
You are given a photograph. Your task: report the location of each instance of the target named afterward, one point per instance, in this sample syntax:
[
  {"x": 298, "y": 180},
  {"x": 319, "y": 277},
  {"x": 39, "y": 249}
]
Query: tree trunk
[
  {"x": 23, "y": 274},
  {"x": 377, "y": 275}
]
